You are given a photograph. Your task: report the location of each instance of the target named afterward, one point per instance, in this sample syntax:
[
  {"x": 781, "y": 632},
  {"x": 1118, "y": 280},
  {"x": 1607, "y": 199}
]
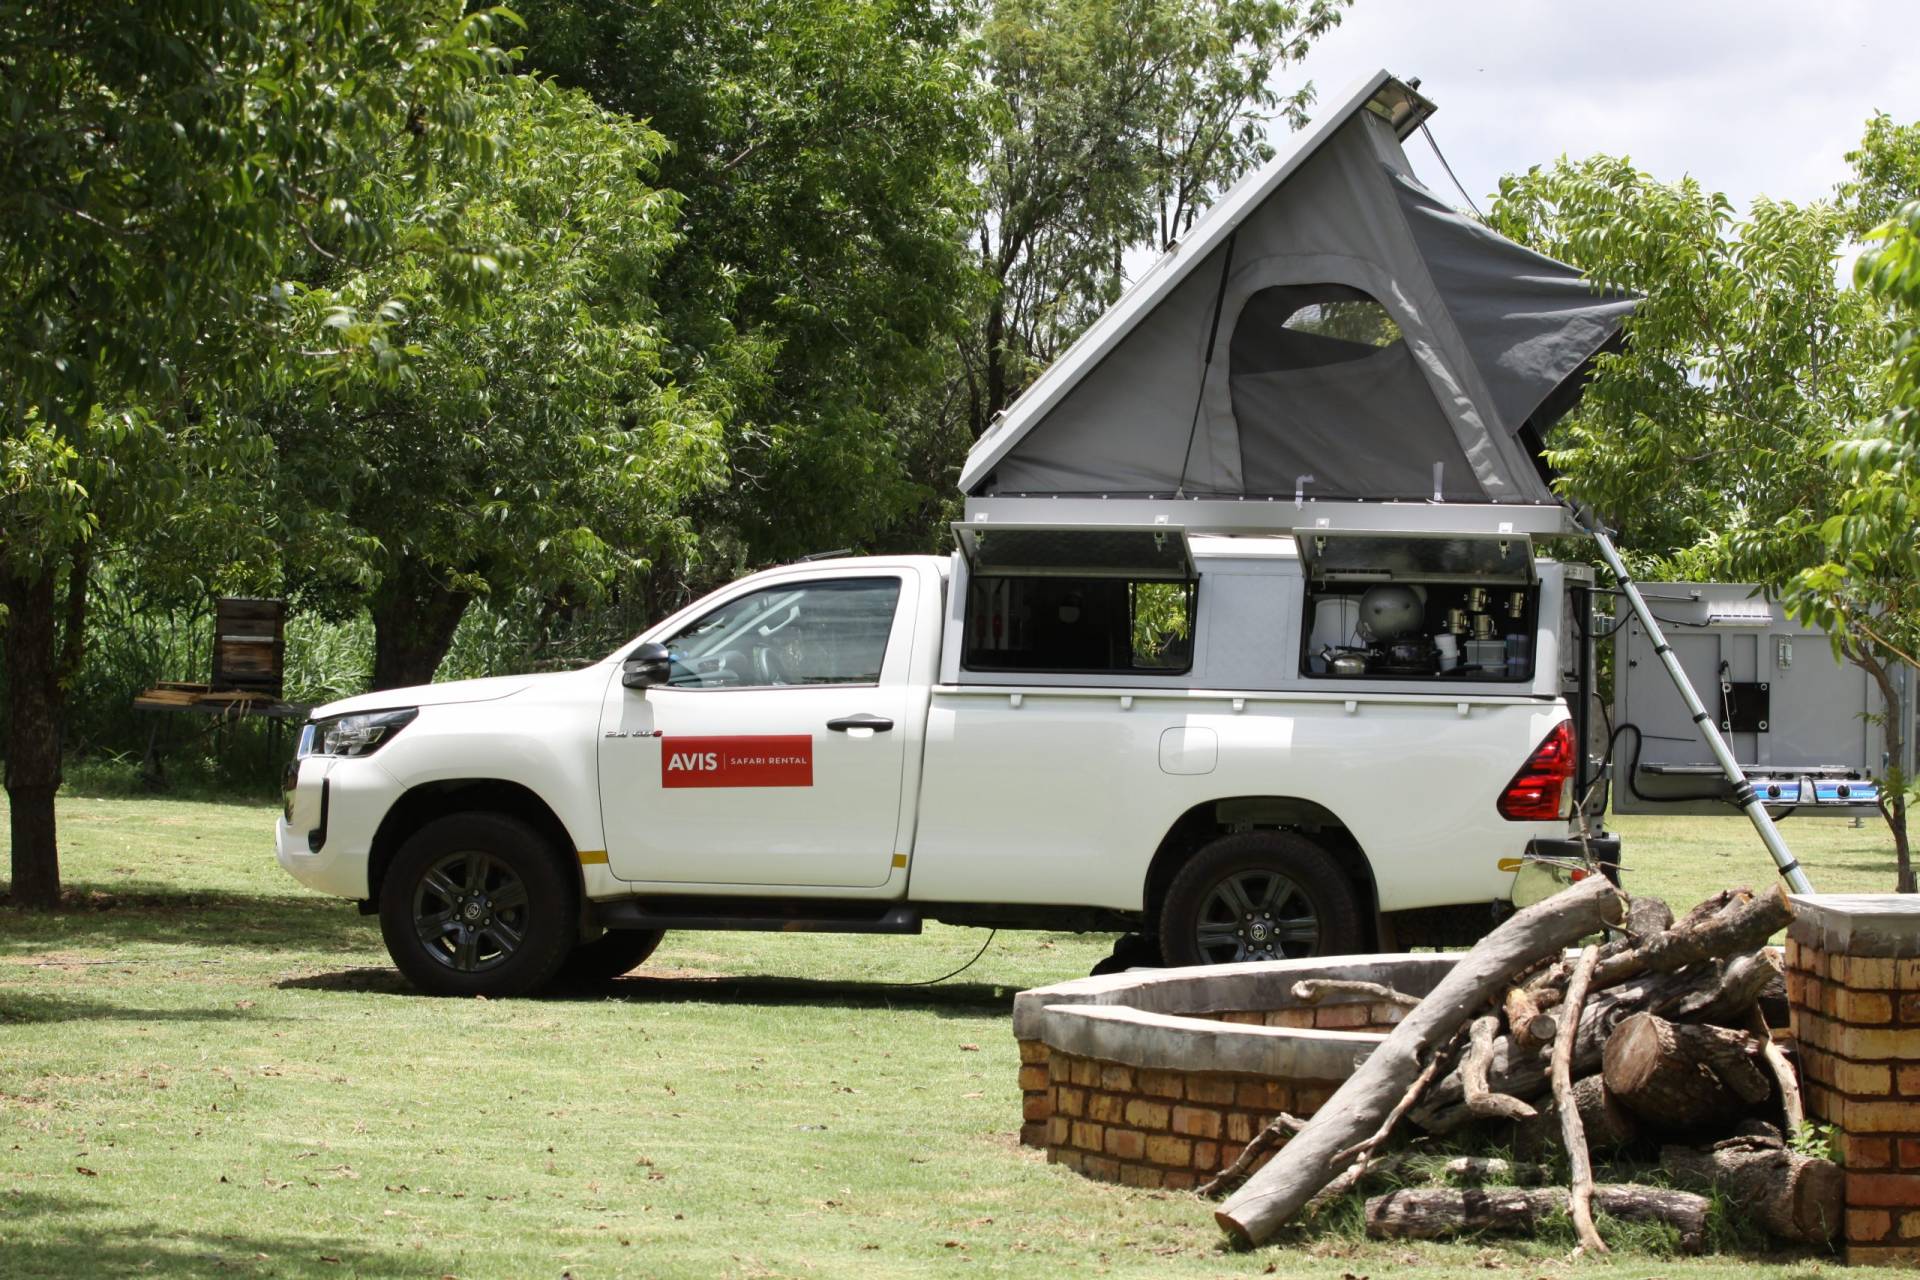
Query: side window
[
  {"x": 829, "y": 632},
  {"x": 1091, "y": 625}
]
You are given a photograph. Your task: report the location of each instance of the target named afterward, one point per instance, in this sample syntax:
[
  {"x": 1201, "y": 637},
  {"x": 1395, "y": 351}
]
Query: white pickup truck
[{"x": 1226, "y": 747}]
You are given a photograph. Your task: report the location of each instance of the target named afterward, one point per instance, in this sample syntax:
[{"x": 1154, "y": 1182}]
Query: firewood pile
[{"x": 1650, "y": 1046}]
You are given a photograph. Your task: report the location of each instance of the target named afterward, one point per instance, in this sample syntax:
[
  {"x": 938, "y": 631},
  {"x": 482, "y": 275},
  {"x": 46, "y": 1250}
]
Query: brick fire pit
[{"x": 1158, "y": 1078}]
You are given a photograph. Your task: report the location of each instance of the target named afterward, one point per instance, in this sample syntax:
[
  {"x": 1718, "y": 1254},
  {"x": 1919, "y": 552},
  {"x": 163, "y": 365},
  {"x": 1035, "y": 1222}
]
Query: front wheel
[
  {"x": 476, "y": 904},
  {"x": 1259, "y": 895}
]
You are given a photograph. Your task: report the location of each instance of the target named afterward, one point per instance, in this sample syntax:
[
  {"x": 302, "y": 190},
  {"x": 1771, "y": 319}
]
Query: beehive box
[{"x": 249, "y": 644}]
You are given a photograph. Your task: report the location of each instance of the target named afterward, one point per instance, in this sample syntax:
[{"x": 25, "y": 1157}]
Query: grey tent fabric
[{"x": 1488, "y": 332}]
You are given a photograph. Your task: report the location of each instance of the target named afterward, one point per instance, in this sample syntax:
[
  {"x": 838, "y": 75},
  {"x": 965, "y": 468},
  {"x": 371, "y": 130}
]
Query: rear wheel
[
  {"x": 476, "y": 904},
  {"x": 613, "y": 953},
  {"x": 1259, "y": 895}
]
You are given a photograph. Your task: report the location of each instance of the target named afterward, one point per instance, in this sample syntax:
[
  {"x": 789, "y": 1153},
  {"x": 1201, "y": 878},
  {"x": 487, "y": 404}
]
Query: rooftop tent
[{"x": 1367, "y": 343}]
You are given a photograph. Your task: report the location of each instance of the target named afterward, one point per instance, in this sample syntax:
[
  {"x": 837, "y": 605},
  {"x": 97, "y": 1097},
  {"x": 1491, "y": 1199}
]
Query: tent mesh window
[
  {"x": 1306, "y": 326},
  {"x": 1079, "y": 625}
]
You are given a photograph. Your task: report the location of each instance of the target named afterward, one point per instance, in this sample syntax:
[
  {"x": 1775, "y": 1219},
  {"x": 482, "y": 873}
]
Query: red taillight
[{"x": 1542, "y": 791}]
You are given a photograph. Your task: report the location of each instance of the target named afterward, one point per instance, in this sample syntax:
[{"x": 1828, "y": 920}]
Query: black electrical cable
[
  {"x": 927, "y": 982},
  {"x": 1633, "y": 770}
]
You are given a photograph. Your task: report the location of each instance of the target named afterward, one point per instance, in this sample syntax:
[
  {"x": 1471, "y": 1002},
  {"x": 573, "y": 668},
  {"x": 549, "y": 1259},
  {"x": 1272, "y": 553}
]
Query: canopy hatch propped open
[{"x": 1330, "y": 333}]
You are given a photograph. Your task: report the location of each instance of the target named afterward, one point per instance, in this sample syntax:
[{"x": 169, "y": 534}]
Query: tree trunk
[
  {"x": 1432, "y": 1213},
  {"x": 1681, "y": 1077},
  {"x": 1308, "y": 1163},
  {"x": 996, "y": 357},
  {"x": 415, "y": 614},
  {"x": 33, "y": 737},
  {"x": 1793, "y": 1196},
  {"x": 1893, "y": 801}
]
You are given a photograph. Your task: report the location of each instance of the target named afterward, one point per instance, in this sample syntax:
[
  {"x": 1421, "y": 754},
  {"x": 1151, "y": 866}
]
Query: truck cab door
[{"x": 773, "y": 754}]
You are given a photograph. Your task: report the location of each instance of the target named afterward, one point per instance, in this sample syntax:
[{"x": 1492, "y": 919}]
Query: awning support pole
[{"x": 1743, "y": 793}]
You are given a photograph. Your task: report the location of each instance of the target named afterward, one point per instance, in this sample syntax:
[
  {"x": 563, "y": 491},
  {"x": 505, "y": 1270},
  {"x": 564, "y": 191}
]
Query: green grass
[{"x": 206, "y": 1070}]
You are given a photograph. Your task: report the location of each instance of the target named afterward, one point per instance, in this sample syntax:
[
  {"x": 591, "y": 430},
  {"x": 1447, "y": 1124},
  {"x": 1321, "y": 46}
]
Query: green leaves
[{"x": 498, "y": 415}]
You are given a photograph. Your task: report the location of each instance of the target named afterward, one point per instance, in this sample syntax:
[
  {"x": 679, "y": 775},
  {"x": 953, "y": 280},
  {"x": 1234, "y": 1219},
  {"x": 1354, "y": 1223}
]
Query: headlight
[{"x": 357, "y": 735}]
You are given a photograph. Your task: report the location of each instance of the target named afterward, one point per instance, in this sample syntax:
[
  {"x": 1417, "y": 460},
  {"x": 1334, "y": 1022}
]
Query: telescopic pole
[{"x": 1743, "y": 793}]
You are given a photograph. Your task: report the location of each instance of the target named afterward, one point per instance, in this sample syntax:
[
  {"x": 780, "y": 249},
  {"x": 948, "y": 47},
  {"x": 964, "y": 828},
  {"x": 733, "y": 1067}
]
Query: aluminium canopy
[{"x": 1329, "y": 331}]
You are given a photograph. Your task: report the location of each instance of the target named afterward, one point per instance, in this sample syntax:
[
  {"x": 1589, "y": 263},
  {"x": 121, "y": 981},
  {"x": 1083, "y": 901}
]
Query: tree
[
  {"x": 1113, "y": 125},
  {"x": 162, "y": 158},
  {"x": 821, "y": 148},
  {"x": 1863, "y": 587},
  {"x": 1745, "y": 358},
  {"x": 1726, "y": 439},
  {"x": 525, "y": 438}
]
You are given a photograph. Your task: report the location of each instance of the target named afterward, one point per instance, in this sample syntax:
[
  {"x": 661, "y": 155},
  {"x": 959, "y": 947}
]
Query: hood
[{"x": 436, "y": 695}]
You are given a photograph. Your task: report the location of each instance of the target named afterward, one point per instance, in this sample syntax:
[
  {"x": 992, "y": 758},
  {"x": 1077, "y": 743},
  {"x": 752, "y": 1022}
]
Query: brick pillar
[{"x": 1853, "y": 977}]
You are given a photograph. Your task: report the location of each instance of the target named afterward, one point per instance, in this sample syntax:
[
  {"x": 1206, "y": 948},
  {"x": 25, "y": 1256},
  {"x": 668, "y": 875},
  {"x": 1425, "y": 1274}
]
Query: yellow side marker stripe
[
  {"x": 1505, "y": 864},
  {"x": 899, "y": 859},
  {"x": 593, "y": 857}
]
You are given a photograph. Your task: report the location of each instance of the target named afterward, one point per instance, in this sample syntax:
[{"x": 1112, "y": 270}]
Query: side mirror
[{"x": 648, "y": 665}]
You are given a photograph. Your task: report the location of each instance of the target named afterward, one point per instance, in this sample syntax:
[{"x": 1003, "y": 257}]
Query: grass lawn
[{"x": 209, "y": 1071}]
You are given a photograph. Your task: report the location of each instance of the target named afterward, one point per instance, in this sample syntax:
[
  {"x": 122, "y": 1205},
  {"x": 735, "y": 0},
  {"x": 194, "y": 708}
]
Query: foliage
[
  {"x": 1745, "y": 358},
  {"x": 159, "y": 163},
  {"x": 1814, "y": 1140},
  {"x": 1751, "y": 427},
  {"x": 163, "y": 158},
  {"x": 524, "y": 437},
  {"x": 1113, "y": 125},
  {"x": 1863, "y": 583},
  {"x": 821, "y": 148}
]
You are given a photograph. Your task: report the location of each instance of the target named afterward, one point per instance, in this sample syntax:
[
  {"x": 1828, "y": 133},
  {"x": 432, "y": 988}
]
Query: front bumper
[{"x": 325, "y": 837}]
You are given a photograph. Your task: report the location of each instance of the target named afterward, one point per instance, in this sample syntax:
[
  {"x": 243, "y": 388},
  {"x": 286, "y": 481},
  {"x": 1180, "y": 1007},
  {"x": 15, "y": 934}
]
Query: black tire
[
  {"x": 1259, "y": 895},
  {"x": 478, "y": 904},
  {"x": 1131, "y": 951},
  {"x": 613, "y": 953}
]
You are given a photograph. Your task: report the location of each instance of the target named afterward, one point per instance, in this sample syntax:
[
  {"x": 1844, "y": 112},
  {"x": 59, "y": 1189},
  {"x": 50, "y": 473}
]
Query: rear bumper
[{"x": 1603, "y": 849}]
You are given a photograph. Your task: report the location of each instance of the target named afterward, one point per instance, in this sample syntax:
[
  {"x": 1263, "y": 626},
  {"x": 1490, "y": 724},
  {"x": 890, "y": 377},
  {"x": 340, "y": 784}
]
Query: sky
[{"x": 1758, "y": 97}]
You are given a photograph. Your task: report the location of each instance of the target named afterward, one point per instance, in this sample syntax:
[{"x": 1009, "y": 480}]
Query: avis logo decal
[{"x": 740, "y": 760}]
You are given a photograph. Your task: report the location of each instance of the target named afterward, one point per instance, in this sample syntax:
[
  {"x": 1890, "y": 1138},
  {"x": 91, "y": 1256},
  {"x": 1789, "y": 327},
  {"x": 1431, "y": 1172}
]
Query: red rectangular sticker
[{"x": 746, "y": 760}]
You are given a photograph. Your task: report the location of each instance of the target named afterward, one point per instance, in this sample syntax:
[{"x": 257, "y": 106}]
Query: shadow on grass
[
  {"x": 148, "y": 913},
  {"x": 959, "y": 999},
  {"x": 27, "y": 1007},
  {"x": 63, "y": 1236}
]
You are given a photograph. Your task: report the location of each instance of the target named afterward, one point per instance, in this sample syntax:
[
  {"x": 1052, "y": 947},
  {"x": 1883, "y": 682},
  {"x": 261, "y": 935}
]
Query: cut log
[
  {"x": 1793, "y": 1196},
  {"x": 1481, "y": 1100},
  {"x": 1711, "y": 992},
  {"x": 1647, "y": 918},
  {"x": 1433, "y": 1213},
  {"x": 1580, "y": 1202},
  {"x": 1608, "y": 1125},
  {"x": 1530, "y": 1027},
  {"x": 1681, "y": 1077},
  {"x": 1743, "y": 924},
  {"x": 1302, "y": 1167},
  {"x": 1731, "y": 922}
]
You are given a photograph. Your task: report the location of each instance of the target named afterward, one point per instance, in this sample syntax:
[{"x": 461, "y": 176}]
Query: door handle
[{"x": 863, "y": 720}]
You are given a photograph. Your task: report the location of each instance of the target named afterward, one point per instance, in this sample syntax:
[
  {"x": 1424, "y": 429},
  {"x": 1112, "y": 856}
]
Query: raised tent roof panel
[{"x": 1330, "y": 333}]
